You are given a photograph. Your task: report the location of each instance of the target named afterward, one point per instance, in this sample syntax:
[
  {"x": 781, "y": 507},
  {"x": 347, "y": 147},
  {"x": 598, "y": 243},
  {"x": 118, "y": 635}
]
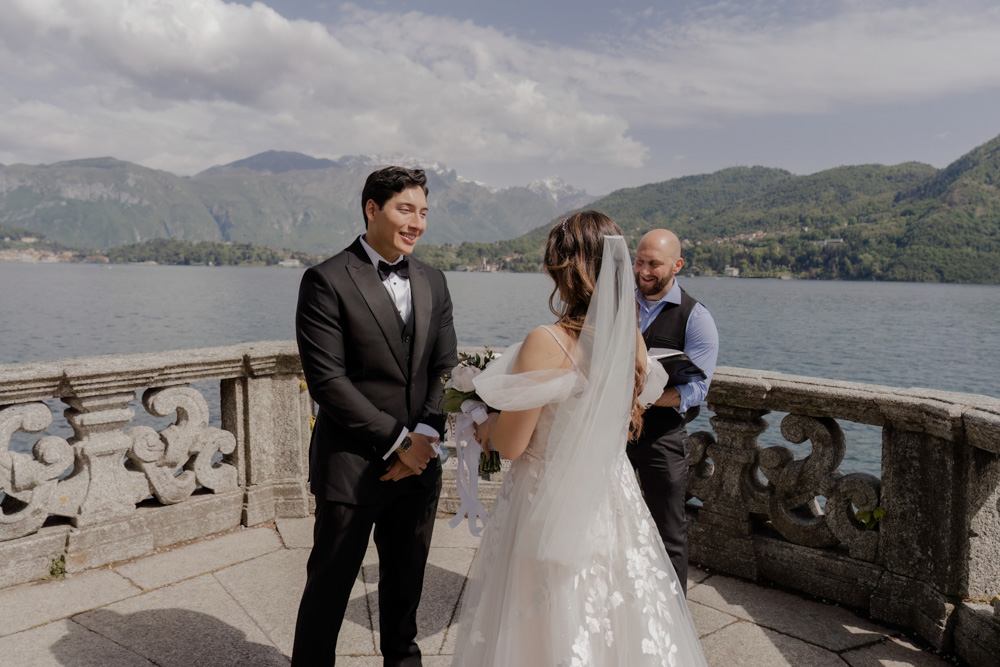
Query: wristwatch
[{"x": 403, "y": 446}]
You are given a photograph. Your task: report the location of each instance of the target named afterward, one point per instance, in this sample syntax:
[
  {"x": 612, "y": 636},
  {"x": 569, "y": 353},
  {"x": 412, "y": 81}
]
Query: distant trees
[{"x": 174, "y": 251}]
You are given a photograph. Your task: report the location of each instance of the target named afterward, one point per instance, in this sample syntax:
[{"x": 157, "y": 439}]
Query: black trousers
[
  {"x": 661, "y": 463},
  {"x": 403, "y": 521}
]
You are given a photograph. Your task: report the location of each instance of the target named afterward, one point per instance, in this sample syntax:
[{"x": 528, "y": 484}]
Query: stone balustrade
[
  {"x": 111, "y": 492},
  {"x": 923, "y": 565},
  {"x": 927, "y": 559}
]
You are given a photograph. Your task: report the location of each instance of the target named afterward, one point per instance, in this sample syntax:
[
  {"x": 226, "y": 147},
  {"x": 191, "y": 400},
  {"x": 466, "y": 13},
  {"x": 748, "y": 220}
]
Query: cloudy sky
[{"x": 604, "y": 94}]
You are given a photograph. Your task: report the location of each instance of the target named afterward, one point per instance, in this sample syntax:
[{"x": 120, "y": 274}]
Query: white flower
[{"x": 462, "y": 377}]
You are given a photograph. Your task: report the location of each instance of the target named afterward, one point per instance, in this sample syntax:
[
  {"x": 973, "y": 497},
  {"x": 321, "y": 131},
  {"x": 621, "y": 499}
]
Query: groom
[{"x": 375, "y": 334}]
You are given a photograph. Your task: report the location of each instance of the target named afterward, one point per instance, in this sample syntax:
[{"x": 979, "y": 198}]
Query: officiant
[{"x": 670, "y": 320}]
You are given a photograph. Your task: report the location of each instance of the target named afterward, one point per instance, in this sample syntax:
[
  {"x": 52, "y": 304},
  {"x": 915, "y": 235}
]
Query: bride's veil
[{"x": 590, "y": 431}]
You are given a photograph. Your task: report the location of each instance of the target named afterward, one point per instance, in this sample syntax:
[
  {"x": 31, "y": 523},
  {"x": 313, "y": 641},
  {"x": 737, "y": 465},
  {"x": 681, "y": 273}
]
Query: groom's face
[{"x": 393, "y": 230}]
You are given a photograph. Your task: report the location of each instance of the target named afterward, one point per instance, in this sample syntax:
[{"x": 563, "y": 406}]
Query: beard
[{"x": 655, "y": 288}]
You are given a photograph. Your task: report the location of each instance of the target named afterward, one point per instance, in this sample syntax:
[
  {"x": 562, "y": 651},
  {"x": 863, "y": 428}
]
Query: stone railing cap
[{"x": 83, "y": 376}]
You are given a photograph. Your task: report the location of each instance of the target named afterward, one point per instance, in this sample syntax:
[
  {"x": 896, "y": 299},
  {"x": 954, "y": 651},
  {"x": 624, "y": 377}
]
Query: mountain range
[
  {"x": 873, "y": 222},
  {"x": 278, "y": 199}
]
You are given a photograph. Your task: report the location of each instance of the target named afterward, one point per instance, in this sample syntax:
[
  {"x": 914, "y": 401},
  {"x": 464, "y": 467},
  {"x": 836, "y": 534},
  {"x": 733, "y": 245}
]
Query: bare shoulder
[{"x": 541, "y": 351}]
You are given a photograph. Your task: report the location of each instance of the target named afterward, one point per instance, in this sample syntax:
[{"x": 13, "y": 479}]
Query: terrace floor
[{"x": 231, "y": 599}]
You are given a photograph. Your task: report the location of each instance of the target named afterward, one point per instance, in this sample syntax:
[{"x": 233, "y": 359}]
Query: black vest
[
  {"x": 668, "y": 329},
  {"x": 406, "y": 332}
]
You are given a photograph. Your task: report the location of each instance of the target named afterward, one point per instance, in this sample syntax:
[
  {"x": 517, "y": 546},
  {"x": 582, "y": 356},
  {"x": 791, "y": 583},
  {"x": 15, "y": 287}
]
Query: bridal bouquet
[{"x": 460, "y": 397}]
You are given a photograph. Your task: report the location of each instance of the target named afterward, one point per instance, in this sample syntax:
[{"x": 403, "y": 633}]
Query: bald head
[
  {"x": 662, "y": 240},
  {"x": 657, "y": 259}
]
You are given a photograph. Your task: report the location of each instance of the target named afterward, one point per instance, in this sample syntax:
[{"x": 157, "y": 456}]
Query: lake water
[{"x": 944, "y": 337}]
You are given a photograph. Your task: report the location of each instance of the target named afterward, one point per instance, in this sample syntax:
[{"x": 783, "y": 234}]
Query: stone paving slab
[
  {"x": 195, "y": 559},
  {"x": 65, "y": 644},
  {"x": 826, "y": 625},
  {"x": 459, "y": 536},
  {"x": 375, "y": 661},
  {"x": 894, "y": 652},
  {"x": 356, "y": 635},
  {"x": 296, "y": 533},
  {"x": 444, "y": 581},
  {"x": 744, "y": 644},
  {"x": 269, "y": 589},
  {"x": 28, "y": 605},
  {"x": 696, "y": 575},
  {"x": 192, "y": 623},
  {"x": 708, "y": 620}
]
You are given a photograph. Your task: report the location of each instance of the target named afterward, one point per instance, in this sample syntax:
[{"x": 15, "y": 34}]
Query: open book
[{"x": 680, "y": 369}]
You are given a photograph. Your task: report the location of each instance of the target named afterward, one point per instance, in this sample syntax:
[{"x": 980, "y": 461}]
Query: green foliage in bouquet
[{"x": 454, "y": 399}]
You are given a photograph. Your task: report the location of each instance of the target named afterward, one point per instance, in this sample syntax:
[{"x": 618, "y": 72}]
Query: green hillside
[
  {"x": 101, "y": 202},
  {"x": 869, "y": 222}
]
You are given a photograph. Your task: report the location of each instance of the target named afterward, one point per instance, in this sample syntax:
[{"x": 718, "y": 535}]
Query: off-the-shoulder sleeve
[{"x": 504, "y": 390}]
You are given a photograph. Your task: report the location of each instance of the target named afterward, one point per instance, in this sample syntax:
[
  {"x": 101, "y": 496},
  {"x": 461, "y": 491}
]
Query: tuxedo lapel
[
  {"x": 366, "y": 279},
  {"x": 420, "y": 293}
]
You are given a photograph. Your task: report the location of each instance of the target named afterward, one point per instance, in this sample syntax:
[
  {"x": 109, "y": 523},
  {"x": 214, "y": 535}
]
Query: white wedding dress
[{"x": 571, "y": 571}]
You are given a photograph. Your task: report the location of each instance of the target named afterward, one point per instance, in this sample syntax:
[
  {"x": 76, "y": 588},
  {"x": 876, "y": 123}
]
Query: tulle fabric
[{"x": 571, "y": 571}]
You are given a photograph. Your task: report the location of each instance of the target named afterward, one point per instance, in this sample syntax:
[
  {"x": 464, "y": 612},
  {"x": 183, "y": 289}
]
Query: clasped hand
[
  {"x": 483, "y": 431},
  {"x": 413, "y": 461}
]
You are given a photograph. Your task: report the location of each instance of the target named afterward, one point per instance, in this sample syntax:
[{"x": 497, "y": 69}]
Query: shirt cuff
[
  {"x": 430, "y": 432},
  {"x": 405, "y": 432},
  {"x": 685, "y": 391},
  {"x": 422, "y": 429}
]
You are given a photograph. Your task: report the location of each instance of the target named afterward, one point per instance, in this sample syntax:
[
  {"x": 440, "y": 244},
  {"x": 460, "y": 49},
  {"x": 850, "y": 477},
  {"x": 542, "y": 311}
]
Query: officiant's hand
[
  {"x": 419, "y": 453},
  {"x": 671, "y": 398}
]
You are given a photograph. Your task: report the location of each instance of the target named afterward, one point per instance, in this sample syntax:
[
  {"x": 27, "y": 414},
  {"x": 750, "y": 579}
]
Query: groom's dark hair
[{"x": 383, "y": 184}]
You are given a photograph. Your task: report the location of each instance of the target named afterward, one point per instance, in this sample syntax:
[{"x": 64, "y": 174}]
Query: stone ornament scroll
[
  {"x": 29, "y": 482},
  {"x": 189, "y": 446}
]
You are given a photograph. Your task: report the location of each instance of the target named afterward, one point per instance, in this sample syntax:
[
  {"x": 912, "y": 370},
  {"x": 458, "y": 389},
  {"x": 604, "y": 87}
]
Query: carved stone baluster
[
  {"x": 100, "y": 445},
  {"x": 735, "y": 456},
  {"x": 29, "y": 482},
  {"x": 855, "y": 490},
  {"x": 190, "y": 443},
  {"x": 701, "y": 469},
  {"x": 721, "y": 533},
  {"x": 793, "y": 485}
]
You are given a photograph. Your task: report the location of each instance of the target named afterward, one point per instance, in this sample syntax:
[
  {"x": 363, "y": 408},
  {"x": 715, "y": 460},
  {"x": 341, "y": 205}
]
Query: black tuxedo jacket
[{"x": 367, "y": 383}]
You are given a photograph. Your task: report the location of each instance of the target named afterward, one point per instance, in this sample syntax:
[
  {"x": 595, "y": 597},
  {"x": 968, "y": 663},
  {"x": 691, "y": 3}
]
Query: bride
[{"x": 571, "y": 571}]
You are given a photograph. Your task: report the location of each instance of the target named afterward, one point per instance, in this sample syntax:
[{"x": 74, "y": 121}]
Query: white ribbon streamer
[{"x": 467, "y": 471}]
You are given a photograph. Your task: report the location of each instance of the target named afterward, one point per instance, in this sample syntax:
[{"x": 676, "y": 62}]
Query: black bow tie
[{"x": 400, "y": 268}]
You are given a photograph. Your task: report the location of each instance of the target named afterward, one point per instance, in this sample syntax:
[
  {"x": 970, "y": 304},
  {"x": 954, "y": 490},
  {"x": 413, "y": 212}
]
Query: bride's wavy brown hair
[{"x": 573, "y": 256}]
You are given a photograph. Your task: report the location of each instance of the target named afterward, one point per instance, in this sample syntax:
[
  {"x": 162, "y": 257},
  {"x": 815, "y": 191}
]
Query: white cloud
[{"x": 182, "y": 84}]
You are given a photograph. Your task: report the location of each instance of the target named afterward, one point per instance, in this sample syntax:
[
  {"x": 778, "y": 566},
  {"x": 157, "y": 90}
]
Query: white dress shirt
[
  {"x": 397, "y": 287},
  {"x": 399, "y": 291}
]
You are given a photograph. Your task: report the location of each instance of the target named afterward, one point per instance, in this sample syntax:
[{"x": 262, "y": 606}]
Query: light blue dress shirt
[{"x": 701, "y": 342}]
